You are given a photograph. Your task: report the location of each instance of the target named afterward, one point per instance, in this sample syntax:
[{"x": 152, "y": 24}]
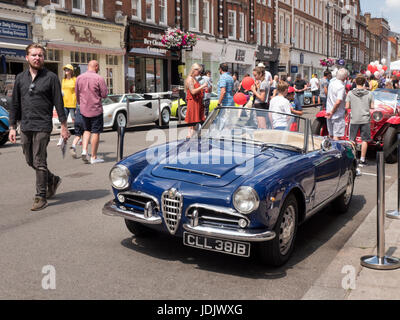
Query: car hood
[{"x": 214, "y": 163}]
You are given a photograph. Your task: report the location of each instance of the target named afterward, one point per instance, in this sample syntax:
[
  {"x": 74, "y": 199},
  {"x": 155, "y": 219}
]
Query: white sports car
[{"x": 143, "y": 108}]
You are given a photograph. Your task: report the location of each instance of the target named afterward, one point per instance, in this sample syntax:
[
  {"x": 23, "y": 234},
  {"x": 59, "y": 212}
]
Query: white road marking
[{"x": 373, "y": 174}]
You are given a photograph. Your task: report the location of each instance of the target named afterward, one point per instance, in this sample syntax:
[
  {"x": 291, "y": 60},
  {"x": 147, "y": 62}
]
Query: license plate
[{"x": 214, "y": 244}]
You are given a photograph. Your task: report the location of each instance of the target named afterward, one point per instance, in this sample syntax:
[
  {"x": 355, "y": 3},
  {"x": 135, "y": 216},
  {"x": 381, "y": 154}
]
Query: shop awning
[
  {"x": 68, "y": 47},
  {"x": 12, "y": 48}
]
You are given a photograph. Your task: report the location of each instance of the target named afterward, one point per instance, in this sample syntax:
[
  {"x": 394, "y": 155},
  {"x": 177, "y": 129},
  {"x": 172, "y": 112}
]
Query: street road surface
[{"x": 95, "y": 256}]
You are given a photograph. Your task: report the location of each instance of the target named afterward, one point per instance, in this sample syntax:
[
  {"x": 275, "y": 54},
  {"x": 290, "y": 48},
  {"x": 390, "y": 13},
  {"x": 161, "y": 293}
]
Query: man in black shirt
[
  {"x": 300, "y": 86},
  {"x": 36, "y": 92}
]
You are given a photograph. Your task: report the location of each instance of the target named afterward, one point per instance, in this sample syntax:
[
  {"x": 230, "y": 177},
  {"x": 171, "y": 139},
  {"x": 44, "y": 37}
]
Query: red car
[{"x": 385, "y": 123}]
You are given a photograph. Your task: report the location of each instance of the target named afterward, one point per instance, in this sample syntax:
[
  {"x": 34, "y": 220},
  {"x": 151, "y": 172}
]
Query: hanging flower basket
[
  {"x": 327, "y": 62},
  {"x": 175, "y": 39}
]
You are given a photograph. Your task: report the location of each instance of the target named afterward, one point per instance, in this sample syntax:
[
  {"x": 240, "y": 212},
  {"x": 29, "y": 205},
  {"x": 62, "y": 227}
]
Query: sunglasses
[{"x": 31, "y": 87}]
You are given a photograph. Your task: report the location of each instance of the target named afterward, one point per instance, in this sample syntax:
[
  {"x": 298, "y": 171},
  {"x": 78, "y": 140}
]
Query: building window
[
  {"x": 307, "y": 38},
  {"x": 232, "y": 24},
  {"x": 269, "y": 35},
  {"x": 150, "y": 10},
  {"x": 83, "y": 57},
  {"x": 312, "y": 39},
  {"x": 193, "y": 15},
  {"x": 137, "y": 9},
  {"x": 78, "y": 6},
  {"x": 52, "y": 55},
  {"x": 58, "y": 3},
  {"x": 242, "y": 25},
  {"x": 301, "y": 36},
  {"x": 312, "y": 7},
  {"x": 163, "y": 11},
  {"x": 206, "y": 17},
  {"x": 97, "y": 8},
  {"x": 287, "y": 30},
  {"x": 264, "y": 33},
  {"x": 307, "y": 7},
  {"x": 296, "y": 34},
  {"x": 258, "y": 32},
  {"x": 281, "y": 29}
]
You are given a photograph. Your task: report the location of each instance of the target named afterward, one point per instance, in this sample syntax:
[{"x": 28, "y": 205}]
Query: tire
[
  {"x": 317, "y": 127},
  {"x": 3, "y": 139},
  {"x": 342, "y": 203},
  {"x": 120, "y": 118},
  {"x": 183, "y": 112},
  {"x": 277, "y": 252},
  {"x": 137, "y": 229},
  {"x": 307, "y": 101},
  {"x": 389, "y": 139},
  {"x": 165, "y": 117}
]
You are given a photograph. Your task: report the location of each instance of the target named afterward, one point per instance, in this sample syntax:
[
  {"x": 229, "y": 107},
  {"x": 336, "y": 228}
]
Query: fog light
[
  {"x": 121, "y": 198},
  {"x": 242, "y": 223}
]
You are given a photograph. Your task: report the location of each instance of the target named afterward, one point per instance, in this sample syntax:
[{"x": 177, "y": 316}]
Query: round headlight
[
  {"x": 119, "y": 177},
  {"x": 245, "y": 200},
  {"x": 377, "y": 116}
]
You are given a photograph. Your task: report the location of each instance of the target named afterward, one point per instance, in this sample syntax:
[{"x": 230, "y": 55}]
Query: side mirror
[{"x": 326, "y": 144}]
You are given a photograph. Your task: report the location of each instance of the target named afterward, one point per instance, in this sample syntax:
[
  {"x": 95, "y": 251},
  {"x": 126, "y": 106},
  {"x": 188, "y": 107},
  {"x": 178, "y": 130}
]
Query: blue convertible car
[{"x": 245, "y": 182}]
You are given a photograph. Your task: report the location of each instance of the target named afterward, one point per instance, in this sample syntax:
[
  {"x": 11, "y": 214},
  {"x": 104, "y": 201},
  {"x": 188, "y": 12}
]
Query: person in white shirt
[
  {"x": 280, "y": 104},
  {"x": 314, "y": 82},
  {"x": 336, "y": 105},
  {"x": 268, "y": 75}
]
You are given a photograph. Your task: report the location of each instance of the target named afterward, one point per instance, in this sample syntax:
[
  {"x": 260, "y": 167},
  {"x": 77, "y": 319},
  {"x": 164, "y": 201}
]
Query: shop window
[
  {"x": 83, "y": 57},
  {"x": 110, "y": 80},
  {"x": 112, "y": 60},
  {"x": 52, "y": 55}
]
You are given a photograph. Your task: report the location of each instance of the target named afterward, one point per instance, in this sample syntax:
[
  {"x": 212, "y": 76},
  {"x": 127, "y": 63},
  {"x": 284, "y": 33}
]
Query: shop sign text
[{"x": 87, "y": 36}]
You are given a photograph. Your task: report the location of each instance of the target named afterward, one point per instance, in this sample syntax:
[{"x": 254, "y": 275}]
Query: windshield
[
  {"x": 384, "y": 98},
  {"x": 263, "y": 128},
  {"x": 111, "y": 99}
]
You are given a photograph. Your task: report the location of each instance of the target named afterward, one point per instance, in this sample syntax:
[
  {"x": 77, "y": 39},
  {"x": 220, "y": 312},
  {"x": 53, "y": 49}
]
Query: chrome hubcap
[
  {"x": 165, "y": 115},
  {"x": 287, "y": 229},
  {"x": 121, "y": 120},
  {"x": 349, "y": 188}
]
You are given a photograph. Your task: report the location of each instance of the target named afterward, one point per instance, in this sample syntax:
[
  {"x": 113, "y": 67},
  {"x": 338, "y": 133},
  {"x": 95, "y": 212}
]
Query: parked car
[
  {"x": 235, "y": 188},
  {"x": 4, "y": 118},
  {"x": 385, "y": 123},
  {"x": 307, "y": 97},
  {"x": 174, "y": 108},
  {"x": 143, "y": 108}
]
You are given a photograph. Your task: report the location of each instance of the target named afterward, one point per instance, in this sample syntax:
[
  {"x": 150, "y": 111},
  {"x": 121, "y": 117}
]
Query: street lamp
[{"x": 327, "y": 7}]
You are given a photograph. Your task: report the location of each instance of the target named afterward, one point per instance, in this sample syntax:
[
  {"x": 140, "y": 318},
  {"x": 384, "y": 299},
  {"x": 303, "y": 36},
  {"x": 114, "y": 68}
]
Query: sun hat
[{"x": 68, "y": 66}]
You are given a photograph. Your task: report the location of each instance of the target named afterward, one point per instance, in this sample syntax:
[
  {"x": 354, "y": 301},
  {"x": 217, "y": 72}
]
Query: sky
[{"x": 389, "y": 10}]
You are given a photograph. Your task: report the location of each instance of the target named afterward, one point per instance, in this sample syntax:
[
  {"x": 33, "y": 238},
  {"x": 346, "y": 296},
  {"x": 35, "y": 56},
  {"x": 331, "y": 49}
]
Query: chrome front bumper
[
  {"x": 250, "y": 235},
  {"x": 110, "y": 209}
]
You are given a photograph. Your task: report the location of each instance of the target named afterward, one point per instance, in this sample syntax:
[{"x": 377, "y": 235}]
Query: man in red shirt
[{"x": 90, "y": 89}]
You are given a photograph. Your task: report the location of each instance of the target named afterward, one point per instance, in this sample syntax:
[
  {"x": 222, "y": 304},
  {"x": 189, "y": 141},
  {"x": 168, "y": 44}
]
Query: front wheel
[
  {"x": 307, "y": 101},
  {"x": 342, "y": 203},
  {"x": 120, "y": 120},
  {"x": 277, "y": 252},
  {"x": 318, "y": 127},
  {"x": 137, "y": 229},
  {"x": 3, "y": 139},
  {"x": 165, "y": 117},
  {"x": 389, "y": 139}
]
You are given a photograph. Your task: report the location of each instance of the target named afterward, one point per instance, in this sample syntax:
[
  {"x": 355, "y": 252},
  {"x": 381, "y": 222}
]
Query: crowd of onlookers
[{"x": 334, "y": 92}]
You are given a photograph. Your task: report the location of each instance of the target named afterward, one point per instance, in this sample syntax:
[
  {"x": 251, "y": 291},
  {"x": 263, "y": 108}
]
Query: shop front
[
  {"x": 77, "y": 41},
  {"x": 151, "y": 66},
  {"x": 15, "y": 36},
  {"x": 269, "y": 57},
  {"x": 306, "y": 64},
  {"x": 240, "y": 58}
]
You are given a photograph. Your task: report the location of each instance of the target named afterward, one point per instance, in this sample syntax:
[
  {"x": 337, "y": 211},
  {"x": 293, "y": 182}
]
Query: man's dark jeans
[
  {"x": 34, "y": 146},
  {"x": 206, "y": 107}
]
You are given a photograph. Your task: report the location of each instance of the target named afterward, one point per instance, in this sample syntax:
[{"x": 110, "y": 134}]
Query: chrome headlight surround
[
  {"x": 119, "y": 177},
  {"x": 377, "y": 116},
  {"x": 246, "y": 200}
]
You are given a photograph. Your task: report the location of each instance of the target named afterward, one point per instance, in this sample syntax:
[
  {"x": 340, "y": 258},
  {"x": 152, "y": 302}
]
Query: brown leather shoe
[
  {"x": 39, "y": 203},
  {"x": 52, "y": 188}
]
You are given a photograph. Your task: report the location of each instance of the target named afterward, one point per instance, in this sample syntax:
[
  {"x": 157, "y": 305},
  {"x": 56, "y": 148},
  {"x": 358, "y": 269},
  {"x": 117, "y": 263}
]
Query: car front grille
[
  {"x": 138, "y": 200},
  {"x": 172, "y": 202},
  {"x": 215, "y": 216}
]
